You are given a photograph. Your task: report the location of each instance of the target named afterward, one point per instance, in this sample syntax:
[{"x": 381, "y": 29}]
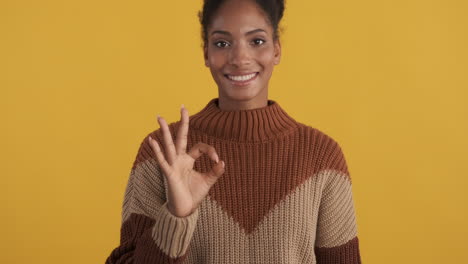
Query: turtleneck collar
[{"x": 250, "y": 125}]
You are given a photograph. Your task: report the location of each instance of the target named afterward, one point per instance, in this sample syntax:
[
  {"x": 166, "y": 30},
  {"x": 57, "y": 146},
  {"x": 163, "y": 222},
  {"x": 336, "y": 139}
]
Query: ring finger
[{"x": 168, "y": 142}]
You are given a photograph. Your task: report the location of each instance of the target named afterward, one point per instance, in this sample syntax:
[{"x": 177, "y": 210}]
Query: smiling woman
[
  {"x": 269, "y": 190},
  {"x": 241, "y": 48}
]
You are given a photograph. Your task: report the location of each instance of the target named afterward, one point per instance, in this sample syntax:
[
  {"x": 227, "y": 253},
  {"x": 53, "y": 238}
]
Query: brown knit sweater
[{"x": 285, "y": 196}]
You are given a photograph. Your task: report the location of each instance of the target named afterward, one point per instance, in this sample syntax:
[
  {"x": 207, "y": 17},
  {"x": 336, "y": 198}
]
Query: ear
[
  {"x": 277, "y": 47},
  {"x": 205, "y": 55}
]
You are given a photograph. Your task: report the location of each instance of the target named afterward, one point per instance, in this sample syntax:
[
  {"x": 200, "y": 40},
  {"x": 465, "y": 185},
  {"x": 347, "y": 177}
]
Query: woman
[{"x": 269, "y": 190}]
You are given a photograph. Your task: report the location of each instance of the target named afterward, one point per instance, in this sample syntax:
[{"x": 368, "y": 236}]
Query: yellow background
[{"x": 82, "y": 81}]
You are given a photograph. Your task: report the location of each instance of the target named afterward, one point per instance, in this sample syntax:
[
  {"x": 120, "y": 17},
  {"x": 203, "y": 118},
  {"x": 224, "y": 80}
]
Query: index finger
[
  {"x": 200, "y": 148},
  {"x": 181, "y": 141}
]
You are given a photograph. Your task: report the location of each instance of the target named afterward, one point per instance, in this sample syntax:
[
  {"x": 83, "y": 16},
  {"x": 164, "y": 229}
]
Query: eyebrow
[{"x": 228, "y": 34}]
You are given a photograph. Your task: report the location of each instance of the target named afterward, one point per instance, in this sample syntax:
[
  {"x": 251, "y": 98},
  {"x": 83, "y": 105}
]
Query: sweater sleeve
[
  {"x": 336, "y": 238},
  {"x": 149, "y": 233}
]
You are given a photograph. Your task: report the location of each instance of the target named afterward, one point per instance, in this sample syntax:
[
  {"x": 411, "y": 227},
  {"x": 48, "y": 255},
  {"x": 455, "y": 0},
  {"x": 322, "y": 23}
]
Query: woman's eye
[
  {"x": 221, "y": 44},
  {"x": 258, "y": 42}
]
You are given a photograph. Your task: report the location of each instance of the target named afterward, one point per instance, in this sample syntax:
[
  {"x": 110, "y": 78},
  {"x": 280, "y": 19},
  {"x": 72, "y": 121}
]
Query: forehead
[{"x": 239, "y": 16}]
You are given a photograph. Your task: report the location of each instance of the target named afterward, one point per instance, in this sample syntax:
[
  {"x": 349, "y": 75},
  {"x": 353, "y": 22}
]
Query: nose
[{"x": 240, "y": 55}]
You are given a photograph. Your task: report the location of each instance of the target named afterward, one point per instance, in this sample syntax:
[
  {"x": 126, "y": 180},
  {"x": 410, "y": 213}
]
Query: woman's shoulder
[
  {"x": 324, "y": 148},
  {"x": 317, "y": 135}
]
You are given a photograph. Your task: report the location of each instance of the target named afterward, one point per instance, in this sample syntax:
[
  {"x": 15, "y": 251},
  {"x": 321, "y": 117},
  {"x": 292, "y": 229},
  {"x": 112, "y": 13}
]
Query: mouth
[{"x": 242, "y": 80}]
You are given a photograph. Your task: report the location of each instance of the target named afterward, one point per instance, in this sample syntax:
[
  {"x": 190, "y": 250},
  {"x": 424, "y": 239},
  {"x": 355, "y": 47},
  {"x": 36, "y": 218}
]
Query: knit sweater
[{"x": 285, "y": 196}]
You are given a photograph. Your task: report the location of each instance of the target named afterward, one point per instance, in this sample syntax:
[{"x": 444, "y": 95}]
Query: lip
[{"x": 242, "y": 83}]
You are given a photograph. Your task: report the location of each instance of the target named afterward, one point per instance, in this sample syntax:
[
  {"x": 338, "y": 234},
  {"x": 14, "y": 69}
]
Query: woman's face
[{"x": 240, "y": 51}]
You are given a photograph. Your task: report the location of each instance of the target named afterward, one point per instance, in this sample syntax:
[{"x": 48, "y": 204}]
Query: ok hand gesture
[{"x": 186, "y": 187}]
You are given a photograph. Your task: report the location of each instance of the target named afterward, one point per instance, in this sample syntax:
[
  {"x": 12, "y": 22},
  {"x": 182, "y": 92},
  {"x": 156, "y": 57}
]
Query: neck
[
  {"x": 243, "y": 125},
  {"x": 231, "y": 105}
]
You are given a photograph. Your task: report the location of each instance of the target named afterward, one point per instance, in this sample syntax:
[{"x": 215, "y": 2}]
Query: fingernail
[
  {"x": 182, "y": 106},
  {"x": 217, "y": 159},
  {"x": 157, "y": 116},
  {"x": 223, "y": 163}
]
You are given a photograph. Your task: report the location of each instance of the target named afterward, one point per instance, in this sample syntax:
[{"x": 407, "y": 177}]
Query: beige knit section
[
  {"x": 337, "y": 213},
  {"x": 145, "y": 191},
  {"x": 290, "y": 229},
  {"x": 145, "y": 194},
  {"x": 173, "y": 234}
]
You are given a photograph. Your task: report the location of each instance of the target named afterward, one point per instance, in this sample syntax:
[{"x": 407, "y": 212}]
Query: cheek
[
  {"x": 216, "y": 60},
  {"x": 266, "y": 58}
]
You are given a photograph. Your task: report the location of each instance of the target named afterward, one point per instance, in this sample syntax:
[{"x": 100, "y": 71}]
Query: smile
[{"x": 242, "y": 79}]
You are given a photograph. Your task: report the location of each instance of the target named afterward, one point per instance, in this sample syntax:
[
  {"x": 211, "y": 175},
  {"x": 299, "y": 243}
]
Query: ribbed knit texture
[{"x": 285, "y": 196}]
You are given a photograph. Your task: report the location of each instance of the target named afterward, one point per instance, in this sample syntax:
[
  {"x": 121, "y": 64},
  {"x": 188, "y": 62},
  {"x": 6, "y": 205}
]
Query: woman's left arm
[{"x": 336, "y": 238}]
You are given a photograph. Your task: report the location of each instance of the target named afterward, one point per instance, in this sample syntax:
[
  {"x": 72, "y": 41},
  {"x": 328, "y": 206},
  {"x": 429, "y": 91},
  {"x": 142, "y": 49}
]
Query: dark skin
[
  {"x": 240, "y": 42},
  {"x": 241, "y": 54}
]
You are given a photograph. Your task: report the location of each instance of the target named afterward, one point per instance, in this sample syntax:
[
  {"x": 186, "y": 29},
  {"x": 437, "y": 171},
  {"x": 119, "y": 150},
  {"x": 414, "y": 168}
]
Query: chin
[{"x": 240, "y": 94}]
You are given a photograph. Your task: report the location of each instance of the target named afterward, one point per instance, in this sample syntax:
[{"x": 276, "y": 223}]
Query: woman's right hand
[{"x": 186, "y": 187}]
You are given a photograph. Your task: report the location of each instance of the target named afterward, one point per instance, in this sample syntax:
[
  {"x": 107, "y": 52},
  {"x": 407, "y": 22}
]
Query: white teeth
[{"x": 242, "y": 77}]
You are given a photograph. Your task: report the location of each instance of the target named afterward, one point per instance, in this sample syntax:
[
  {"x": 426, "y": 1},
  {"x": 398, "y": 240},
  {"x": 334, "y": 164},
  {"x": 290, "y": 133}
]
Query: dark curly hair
[{"x": 274, "y": 10}]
